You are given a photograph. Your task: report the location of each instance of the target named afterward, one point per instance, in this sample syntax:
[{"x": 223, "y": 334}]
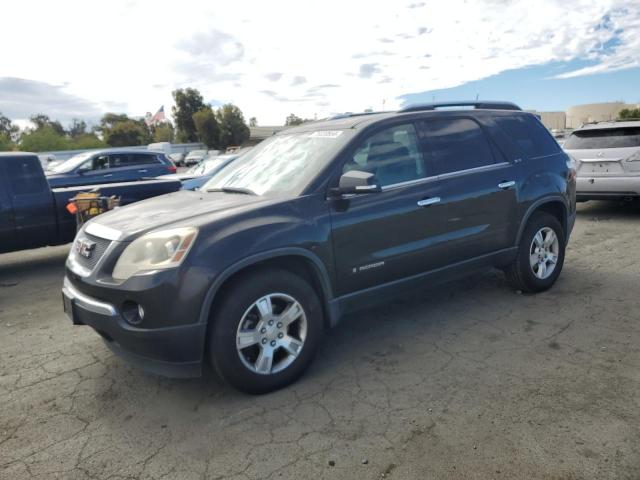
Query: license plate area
[{"x": 601, "y": 168}]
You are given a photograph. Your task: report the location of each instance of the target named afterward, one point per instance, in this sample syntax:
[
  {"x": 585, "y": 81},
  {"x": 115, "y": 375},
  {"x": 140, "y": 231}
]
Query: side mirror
[
  {"x": 356, "y": 181},
  {"x": 82, "y": 171}
]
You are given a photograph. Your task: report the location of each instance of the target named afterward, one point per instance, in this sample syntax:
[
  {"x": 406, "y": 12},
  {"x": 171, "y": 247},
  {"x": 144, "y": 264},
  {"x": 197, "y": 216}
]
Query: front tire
[
  {"x": 266, "y": 331},
  {"x": 540, "y": 255}
]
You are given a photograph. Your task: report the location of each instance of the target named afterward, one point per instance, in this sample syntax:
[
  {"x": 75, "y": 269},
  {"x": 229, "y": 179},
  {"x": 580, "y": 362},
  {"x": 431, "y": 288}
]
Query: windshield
[
  {"x": 196, "y": 153},
  {"x": 282, "y": 163},
  {"x": 604, "y": 138},
  {"x": 72, "y": 163},
  {"x": 206, "y": 166}
]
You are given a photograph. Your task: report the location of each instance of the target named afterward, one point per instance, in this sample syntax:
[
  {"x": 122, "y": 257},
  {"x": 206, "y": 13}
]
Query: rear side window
[
  {"x": 604, "y": 138},
  {"x": 25, "y": 175},
  {"x": 529, "y": 135},
  {"x": 131, "y": 159},
  {"x": 455, "y": 144}
]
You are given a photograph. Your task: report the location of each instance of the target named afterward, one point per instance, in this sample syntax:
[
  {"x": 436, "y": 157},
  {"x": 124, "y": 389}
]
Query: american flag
[{"x": 157, "y": 118}]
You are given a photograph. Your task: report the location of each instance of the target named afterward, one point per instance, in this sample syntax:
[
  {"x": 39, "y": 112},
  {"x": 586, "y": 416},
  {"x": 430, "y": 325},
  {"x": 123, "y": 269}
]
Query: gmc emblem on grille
[{"x": 85, "y": 248}]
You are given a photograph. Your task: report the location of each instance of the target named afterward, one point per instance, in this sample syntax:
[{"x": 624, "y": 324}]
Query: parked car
[
  {"x": 207, "y": 169},
  {"x": 109, "y": 166},
  {"x": 47, "y": 160},
  {"x": 314, "y": 222},
  {"x": 194, "y": 157},
  {"x": 199, "y": 174},
  {"x": 608, "y": 160},
  {"x": 177, "y": 159},
  {"x": 32, "y": 214}
]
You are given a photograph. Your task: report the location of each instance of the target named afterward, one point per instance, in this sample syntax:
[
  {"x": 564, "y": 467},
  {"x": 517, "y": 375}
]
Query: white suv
[{"x": 608, "y": 158}]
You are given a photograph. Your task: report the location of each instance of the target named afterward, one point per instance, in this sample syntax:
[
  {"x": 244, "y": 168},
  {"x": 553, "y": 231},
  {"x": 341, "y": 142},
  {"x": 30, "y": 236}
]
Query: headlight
[{"x": 155, "y": 251}]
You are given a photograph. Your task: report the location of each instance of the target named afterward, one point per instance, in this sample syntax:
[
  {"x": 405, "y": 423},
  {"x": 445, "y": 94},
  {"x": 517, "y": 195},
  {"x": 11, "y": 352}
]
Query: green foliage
[
  {"x": 108, "y": 120},
  {"x": 43, "y": 139},
  {"x": 118, "y": 130},
  {"x": 293, "y": 120},
  {"x": 86, "y": 141},
  {"x": 187, "y": 102},
  {"x": 6, "y": 127},
  {"x": 78, "y": 128},
  {"x": 163, "y": 132},
  {"x": 41, "y": 121},
  {"x": 233, "y": 130},
  {"x": 207, "y": 128},
  {"x": 629, "y": 113},
  {"x": 127, "y": 133},
  {"x": 253, "y": 122},
  {"x": 6, "y": 145}
]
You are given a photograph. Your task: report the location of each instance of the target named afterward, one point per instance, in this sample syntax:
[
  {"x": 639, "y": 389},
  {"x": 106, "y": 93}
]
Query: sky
[{"x": 80, "y": 59}]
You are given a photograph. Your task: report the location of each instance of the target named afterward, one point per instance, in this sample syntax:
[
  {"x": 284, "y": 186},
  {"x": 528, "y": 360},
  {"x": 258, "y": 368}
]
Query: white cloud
[{"x": 273, "y": 58}]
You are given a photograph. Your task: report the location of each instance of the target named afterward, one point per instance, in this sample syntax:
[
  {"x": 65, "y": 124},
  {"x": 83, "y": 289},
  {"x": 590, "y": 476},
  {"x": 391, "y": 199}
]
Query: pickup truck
[{"x": 32, "y": 214}]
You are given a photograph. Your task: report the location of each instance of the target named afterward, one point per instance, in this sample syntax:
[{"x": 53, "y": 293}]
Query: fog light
[{"x": 132, "y": 312}]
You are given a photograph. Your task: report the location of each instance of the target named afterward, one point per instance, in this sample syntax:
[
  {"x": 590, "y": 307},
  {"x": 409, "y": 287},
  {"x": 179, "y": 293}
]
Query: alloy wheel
[{"x": 271, "y": 333}]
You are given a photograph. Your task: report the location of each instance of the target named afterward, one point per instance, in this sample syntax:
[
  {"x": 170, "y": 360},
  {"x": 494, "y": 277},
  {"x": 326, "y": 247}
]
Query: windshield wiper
[{"x": 242, "y": 190}]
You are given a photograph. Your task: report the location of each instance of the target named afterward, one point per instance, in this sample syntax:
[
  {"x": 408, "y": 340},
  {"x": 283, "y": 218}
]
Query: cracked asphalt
[{"x": 469, "y": 380}]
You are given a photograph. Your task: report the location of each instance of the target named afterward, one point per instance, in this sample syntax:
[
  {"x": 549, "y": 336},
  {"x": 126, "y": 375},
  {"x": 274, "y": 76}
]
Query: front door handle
[
  {"x": 428, "y": 201},
  {"x": 142, "y": 171},
  {"x": 108, "y": 175},
  {"x": 505, "y": 185}
]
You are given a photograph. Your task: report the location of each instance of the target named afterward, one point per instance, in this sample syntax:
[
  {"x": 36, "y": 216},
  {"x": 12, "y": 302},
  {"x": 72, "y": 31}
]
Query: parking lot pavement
[{"x": 470, "y": 380}]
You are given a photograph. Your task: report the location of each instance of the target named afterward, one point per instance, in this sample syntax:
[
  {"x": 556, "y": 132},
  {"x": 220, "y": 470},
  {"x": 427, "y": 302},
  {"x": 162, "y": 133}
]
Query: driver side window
[
  {"x": 96, "y": 163},
  {"x": 392, "y": 155}
]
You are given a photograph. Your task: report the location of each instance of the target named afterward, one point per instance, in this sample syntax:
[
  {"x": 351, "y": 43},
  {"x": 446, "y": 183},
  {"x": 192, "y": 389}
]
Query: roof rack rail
[
  {"x": 484, "y": 105},
  {"x": 351, "y": 114}
]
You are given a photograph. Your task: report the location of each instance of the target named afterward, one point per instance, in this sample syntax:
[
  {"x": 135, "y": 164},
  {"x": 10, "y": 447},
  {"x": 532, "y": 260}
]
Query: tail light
[
  {"x": 172, "y": 169},
  {"x": 572, "y": 165}
]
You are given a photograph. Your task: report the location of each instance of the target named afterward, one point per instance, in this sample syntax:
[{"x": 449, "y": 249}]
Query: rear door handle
[
  {"x": 108, "y": 175},
  {"x": 142, "y": 171},
  {"x": 428, "y": 201},
  {"x": 505, "y": 185}
]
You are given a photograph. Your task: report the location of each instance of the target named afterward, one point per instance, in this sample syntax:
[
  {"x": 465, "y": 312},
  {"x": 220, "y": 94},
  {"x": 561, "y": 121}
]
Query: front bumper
[
  {"x": 595, "y": 188},
  {"x": 175, "y": 351}
]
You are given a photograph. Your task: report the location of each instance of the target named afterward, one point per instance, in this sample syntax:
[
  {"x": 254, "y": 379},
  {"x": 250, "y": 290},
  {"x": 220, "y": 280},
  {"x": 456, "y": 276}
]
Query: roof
[
  {"x": 612, "y": 124},
  {"x": 362, "y": 120},
  {"x": 17, "y": 154}
]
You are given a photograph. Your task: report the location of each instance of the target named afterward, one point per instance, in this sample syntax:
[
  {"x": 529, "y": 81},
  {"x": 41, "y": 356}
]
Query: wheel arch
[
  {"x": 298, "y": 260},
  {"x": 555, "y": 206}
]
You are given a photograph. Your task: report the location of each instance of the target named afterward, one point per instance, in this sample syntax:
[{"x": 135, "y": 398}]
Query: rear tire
[
  {"x": 266, "y": 331},
  {"x": 540, "y": 256}
]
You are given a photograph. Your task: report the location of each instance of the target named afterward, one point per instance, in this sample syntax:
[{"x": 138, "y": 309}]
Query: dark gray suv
[{"x": 314, "y": 222}]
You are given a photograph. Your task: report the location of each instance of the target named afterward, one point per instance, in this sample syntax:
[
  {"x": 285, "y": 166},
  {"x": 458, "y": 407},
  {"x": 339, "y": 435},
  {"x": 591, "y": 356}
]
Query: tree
[
  {"x": 628, "y": 113},
  {"x": 163, "y": 132},
  {"x": 207, "y": 128},
  {"x": 77, "y": 128},
  {"x": 128, "y": 133},
  {"x": 118, "y": 130},
  {"x": 253, "y": 122},
  {"x": 233, "y": 129},
  {"x": 187, "y": 102},
  {"x": 43, "y": 139},
  {"x": 86, "y": 141},
  {"x": 41, "y": 120},
  {"x": 6, "y": 144},
  {"x": 293, "y": 120},
  {"x": 7, "y": 127}
]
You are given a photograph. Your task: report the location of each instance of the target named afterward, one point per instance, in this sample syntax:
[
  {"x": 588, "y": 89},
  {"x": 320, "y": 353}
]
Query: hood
[
  {"x": 183, "y": 208},
  {"x": 176, "y": 176}
]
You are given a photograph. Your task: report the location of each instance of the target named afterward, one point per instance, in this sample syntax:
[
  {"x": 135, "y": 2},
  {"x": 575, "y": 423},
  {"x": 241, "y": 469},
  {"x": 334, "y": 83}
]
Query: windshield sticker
[{"x": 326, "y": 134}]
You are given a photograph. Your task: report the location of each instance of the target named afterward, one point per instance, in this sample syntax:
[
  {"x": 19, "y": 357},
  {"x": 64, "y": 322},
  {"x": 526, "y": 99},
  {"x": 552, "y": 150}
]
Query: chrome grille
[{"x": 95, "y": 245}]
